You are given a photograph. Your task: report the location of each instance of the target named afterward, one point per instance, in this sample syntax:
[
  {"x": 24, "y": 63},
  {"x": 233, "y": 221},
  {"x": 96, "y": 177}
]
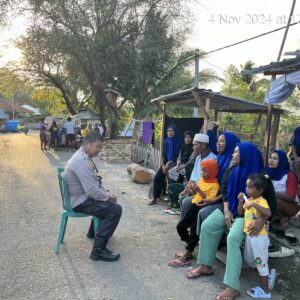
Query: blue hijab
[
  {"x": 283, "y": 166},
  {"x": 224, "y": 158},
  {"x": 172, "y": 145},
  {"x": 251, "y": 161},
  {"x": 296, "y": 138},
  {"x": 212, "y": 141}
]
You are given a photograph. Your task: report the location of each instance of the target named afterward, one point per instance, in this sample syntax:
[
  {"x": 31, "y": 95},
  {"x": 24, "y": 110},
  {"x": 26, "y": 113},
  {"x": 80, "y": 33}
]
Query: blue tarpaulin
[
  {"x": 12, "y": 125},
  {"x": 282, "y": 88}
]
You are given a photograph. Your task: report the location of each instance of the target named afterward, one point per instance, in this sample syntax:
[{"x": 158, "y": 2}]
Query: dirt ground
[{"x": 30, "y": 209}]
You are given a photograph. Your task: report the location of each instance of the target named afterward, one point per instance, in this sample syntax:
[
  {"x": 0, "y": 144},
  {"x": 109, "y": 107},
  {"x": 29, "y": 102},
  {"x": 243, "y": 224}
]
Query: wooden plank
[
  {"x": 201, "y": 105},
  {"x": 206, "y": 118}
]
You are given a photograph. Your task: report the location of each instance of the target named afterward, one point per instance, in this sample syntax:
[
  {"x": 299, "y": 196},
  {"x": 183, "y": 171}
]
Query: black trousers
[
  {"x": 159, "y": 183},
  {"x": 108, "y": 212},
  {"x": 189, "y": 220}
]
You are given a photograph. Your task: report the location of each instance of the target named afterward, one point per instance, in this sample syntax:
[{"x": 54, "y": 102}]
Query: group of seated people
[{"x": 231, "y": 192}]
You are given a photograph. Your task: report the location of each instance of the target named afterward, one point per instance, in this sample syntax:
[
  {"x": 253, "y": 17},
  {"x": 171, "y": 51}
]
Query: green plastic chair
[{"x": 68, "y": 211}]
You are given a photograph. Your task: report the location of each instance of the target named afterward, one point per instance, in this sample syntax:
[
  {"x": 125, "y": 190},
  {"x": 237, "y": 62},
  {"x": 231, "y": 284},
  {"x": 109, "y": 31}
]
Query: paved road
[{"x": 30, "y": 217}]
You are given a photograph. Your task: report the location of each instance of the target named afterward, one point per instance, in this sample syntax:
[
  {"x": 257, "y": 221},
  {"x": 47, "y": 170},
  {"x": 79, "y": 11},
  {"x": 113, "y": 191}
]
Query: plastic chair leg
[
  {"x": 96, "y": 223},
  {"x": 65, "y": 227},
  {"x": 62, "y": 230}
]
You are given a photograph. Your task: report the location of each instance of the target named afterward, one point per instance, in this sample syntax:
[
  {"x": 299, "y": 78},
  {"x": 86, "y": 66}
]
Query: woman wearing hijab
[
  {"x": 178, "y": 173},
  {"x": 285, "y": 185},
  {"x": 225, "y": 146},
  {"x": 248, "y": 160},
  {"x": 295, "y": 145},
  {"x": 207, "y": 189},
  {"x": 171, "y": 151}
]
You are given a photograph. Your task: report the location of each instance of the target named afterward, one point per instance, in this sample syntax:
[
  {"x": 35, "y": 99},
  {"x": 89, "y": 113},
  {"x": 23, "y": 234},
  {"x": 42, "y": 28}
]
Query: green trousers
[
  {"x": 211, "y": 233},
  {"x": 174, "y": 189}
]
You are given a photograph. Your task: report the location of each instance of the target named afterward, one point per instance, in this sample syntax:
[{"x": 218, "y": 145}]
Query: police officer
[{"x": 89, "y": 196}]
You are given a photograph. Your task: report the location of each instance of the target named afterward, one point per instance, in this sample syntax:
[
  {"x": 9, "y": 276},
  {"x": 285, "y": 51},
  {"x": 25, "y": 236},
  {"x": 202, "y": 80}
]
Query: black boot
[
  {"x": 100, "y": 252},
  {"x": 91, "y": 232}
]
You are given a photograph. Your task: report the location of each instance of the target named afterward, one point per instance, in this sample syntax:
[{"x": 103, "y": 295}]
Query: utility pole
[
  {"x": 13, "y": 106},
  {"x": 197, "y": 52}
]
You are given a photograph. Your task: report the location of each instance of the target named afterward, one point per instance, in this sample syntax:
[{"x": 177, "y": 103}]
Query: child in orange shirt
[{"x": 207, "y": 189}]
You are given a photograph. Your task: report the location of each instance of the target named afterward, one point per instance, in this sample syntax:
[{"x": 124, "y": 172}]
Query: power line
[{"x": 249, "y": 39}]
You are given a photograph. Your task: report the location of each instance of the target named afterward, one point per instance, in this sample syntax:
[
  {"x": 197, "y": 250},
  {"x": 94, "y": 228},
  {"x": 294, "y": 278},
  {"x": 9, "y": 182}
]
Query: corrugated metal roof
[
  {"x": 7, "y": 106},
  {"x": 218, "y": 102},
  {"x": 277, "y": 68}
]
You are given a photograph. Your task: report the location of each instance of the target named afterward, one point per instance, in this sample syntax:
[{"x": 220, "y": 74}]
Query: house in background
[
  {"x": 14, "y": 111},
  {"x": 35, "y": 111}
]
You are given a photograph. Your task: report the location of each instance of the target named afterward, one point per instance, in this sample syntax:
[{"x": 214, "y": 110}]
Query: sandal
[
  {"x": 228, "y": 294},
  {"x": 283, "y": 252},
  {"x": 176, "y": 263},
  {"x": 258, "y": 293},
  {"x": 181, "y": 253},
  {"x": 290, "y": 236},
  {"x": 193, "y": 275}
]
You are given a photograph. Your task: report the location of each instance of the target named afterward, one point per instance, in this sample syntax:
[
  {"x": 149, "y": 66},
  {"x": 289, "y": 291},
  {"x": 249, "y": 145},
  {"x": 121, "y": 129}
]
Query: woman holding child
[
  {"x": 225, "y": 146},
  {"x": 248, "y": 160}
]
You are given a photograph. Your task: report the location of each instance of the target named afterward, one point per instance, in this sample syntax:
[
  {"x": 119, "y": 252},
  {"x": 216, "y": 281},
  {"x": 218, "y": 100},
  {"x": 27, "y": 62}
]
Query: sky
[{"x": 218, "y": 23}]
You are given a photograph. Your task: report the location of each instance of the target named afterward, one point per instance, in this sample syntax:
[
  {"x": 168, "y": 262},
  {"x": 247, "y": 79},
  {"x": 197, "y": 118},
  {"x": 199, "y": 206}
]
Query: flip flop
[
  {"x": 283, "y": 252},
  {"x": 226, "y": 295},
  {"x": 176, "y": 263},
  {"x": 188, "y": 276},
  {"x": 258, "y": 293}
]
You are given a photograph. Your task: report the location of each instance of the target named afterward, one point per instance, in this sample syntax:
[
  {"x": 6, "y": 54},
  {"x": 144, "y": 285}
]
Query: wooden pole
[
  {"x": 257, "y": 125},
  {"x": 273, "y": 78},
  {"x": 163, "y": 122},
  {"x": 275, "y": 131},
  {"x": 200, "y": 104},
  {"x": 206, "y": 116}
]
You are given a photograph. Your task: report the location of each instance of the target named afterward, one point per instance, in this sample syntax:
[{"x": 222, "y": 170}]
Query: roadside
[{"x": 146, "y": 237}]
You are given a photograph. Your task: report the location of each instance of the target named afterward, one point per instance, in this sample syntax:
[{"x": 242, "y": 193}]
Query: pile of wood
[{"x": 139, "y": 174}]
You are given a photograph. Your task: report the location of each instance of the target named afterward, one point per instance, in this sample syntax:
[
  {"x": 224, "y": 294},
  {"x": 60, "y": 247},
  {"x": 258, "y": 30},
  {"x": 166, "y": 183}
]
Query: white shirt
[
  {"x": 70, "y": 127},
  {"x": 196, "y": 174}
]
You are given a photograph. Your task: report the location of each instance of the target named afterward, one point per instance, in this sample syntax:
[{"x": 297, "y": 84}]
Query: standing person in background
[
  {"x": 53, "y": 135},
  {"x": 86, "y": 130},
  {"x": 70, "y": 133},
  {"x": 42, "y": 126},
  {"x": 101, "y": 129}
]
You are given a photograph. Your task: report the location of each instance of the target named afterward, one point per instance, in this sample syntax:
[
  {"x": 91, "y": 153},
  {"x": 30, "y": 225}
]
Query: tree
[{"x": 91, "y": 35}]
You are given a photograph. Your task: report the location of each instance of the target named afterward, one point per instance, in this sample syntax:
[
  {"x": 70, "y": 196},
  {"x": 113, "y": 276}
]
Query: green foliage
[
  {"x": 49, "y": 101},
  {"x": 245, "y": 87}
]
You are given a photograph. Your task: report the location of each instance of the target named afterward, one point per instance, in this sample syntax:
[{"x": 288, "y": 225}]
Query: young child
[
  {"x": 206, "y": 190},
  {"x": 256, "y": 247}
]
